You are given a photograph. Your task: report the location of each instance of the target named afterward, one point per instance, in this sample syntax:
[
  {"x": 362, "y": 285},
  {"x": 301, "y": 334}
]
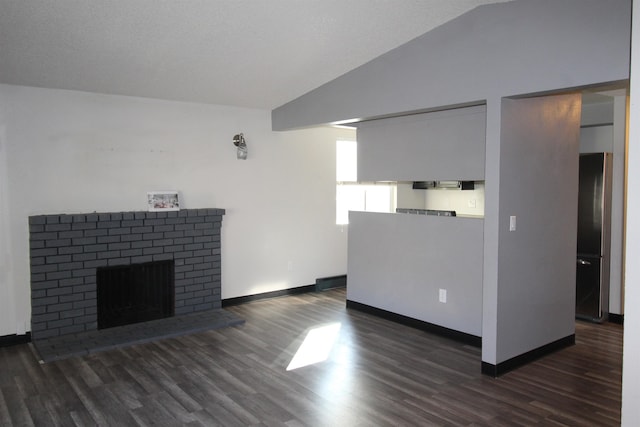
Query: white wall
[
  {"x": 596, "y": 139},
  {"x": 8, "y": 312},
  {"x": 464, "y": 202},
  {"x": 72, "y": 152},
  {"x": 618, "y": 176},
  {"x": 598, "y": 112},
  {"x": 461, "y": 201},
  {"x": 407, "y": 197},
  {"x": 631, "y": 354}
]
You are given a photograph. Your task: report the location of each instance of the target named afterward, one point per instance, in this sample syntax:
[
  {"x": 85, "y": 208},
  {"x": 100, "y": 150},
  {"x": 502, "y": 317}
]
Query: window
[{"x": 352, "y": 195}]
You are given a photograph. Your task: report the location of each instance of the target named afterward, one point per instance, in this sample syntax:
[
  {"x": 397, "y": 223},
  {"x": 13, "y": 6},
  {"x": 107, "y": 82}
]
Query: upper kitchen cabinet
[{"x": 440, "y": 146}]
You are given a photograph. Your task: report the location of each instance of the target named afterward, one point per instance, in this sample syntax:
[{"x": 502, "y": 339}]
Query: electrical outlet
[
  {"x": 290, "y": 266},
  {"x": 443, "y": 295}
]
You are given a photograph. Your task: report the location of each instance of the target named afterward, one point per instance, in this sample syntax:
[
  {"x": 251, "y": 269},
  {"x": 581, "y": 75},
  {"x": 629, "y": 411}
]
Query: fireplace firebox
[{"x": 134, "y": 293}]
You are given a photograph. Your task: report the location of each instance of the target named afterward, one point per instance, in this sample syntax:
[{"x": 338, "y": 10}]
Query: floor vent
[{"x": 325, "y": 283}]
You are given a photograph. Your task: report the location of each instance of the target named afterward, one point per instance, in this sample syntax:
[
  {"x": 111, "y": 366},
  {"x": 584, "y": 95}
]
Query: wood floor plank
[
  {"x": 39, "y": 412},
  {"x": 16, "y": 406},
  {"x": 5, "y": 417},
  {"x": 378, "y": 373}
]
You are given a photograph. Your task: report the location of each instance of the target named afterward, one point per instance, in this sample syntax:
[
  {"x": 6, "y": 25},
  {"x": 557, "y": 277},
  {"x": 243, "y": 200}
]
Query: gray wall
[
  {"x": 495, "y": 51},
  {"x": 536, "y": 274},
  {"x": 443, "y": 145},
  {"x": 501, "y": 49},
  {"x": 398, "y": 263}
]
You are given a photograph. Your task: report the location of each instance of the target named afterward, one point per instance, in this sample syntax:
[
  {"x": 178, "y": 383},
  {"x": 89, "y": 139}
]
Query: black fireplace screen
[{"x": 135, "y": 293}]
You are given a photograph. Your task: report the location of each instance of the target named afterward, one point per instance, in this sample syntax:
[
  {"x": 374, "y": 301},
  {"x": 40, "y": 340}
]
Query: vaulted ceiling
[{"x": 247, "y": 53}]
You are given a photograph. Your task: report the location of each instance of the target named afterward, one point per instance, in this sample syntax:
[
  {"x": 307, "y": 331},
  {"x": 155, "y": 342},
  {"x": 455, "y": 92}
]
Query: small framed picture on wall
[{"x": 163, "y": 201}]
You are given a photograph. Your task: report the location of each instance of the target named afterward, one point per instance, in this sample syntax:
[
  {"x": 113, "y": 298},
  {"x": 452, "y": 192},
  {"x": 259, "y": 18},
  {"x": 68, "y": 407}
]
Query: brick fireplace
[{"x": 66, "y": 251}]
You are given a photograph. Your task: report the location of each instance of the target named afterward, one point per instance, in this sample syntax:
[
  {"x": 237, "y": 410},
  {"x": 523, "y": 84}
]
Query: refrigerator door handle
[{"x": 582, "y": 262}]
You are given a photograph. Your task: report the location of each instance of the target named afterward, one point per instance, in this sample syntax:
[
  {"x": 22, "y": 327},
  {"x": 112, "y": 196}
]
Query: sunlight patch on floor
[{"x": 316, "y": 346}]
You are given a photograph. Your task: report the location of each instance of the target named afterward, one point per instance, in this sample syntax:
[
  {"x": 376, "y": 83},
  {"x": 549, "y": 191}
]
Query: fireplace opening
[{"x": 134, "y": 293}]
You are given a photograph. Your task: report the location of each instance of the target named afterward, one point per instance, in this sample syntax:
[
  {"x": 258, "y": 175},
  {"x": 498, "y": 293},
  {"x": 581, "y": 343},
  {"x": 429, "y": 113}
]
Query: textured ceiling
[{"x": 249, "y": 53}]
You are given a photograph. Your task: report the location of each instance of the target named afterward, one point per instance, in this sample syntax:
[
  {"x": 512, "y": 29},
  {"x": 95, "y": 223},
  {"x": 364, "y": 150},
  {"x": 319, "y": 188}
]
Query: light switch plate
[
  {"x": 443, "y": 295},
  {"x": 512, "y": 223}
]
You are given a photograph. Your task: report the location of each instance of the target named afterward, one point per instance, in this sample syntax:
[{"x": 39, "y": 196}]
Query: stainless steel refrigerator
[{"x": 594, "y": 225}]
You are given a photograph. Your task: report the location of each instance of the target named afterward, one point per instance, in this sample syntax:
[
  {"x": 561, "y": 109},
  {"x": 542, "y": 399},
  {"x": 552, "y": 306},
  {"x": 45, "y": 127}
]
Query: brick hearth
[{"x": 66, "y": 250}]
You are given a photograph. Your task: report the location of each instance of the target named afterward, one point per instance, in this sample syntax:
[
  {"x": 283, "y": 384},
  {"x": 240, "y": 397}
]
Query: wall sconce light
[{"x": 241, "y": 144}]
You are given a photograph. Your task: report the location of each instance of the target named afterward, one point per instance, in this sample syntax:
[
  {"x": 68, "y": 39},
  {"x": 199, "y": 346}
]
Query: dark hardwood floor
[{"x": 378, "y": 373}]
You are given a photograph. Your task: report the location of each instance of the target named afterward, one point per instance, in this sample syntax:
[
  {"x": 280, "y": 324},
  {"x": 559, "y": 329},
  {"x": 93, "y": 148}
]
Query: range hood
[{"x": 425, "y": 185}]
